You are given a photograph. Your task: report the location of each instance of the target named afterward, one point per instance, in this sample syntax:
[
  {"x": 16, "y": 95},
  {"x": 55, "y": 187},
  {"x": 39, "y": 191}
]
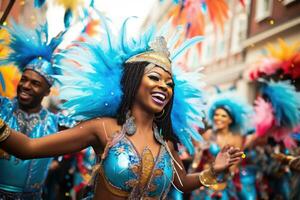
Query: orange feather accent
[{"x": 11, "y": 78}]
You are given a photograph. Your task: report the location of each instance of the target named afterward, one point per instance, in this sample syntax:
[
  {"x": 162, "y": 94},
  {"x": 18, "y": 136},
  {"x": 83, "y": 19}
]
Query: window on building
[
  {"x": 263, "y": 9},
  {"x": 223, "y": 42},
  {"x": 239, "y": 33},
  {"x": 221, "y": 51},
  {"x": 208, "y": 45},
  {"x": 207, "y": 50}
]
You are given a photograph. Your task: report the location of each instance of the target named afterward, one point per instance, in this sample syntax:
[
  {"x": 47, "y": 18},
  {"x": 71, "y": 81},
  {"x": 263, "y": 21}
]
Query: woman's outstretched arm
[
  {"x": 188, "y": 182},
  {"x": 85, "y": 134}
]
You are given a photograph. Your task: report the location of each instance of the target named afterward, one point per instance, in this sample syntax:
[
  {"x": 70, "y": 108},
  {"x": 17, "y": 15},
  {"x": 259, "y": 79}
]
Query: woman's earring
[{"x": 129, "y": 125}]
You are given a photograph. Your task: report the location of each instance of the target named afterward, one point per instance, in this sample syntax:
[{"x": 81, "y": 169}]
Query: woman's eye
[
  {"x": 155, "y": 78},
  {"x": 171, "y": 84}
]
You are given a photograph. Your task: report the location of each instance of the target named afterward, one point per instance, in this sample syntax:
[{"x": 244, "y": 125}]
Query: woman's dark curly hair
[{"x": 131, "y": 80}]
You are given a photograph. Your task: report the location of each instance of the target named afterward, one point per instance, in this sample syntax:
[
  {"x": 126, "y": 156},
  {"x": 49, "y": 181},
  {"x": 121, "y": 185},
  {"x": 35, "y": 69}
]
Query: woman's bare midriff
[{"x": 102, "y": 193}]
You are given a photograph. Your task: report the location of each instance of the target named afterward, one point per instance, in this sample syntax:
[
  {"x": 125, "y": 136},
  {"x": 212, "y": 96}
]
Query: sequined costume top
[
  {"x": 240, "y": 184},
  {"x": 18, "y": 175},
  {"x": 128, "y": 174}
]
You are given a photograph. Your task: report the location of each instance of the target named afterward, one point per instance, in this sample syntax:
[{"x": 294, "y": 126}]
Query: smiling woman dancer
[
  {"x": 146, "y": 106},
  {"x": 229, "y": 117}
]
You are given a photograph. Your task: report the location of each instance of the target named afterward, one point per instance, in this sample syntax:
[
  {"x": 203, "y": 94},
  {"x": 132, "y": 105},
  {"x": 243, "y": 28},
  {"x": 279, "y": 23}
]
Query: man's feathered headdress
[{"x": 31, "y": 49}]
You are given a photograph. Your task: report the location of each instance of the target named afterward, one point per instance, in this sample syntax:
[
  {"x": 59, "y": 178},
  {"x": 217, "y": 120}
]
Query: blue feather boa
[{"x": 285, "y": 101}]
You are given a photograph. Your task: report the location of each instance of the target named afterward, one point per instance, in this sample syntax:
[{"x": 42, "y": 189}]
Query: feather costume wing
[
  {"x": 285, "y": 102},
  {"x": 264, "y": 119}
]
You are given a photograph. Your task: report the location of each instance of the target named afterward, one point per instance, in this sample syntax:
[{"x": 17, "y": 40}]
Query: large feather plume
[
  {"x": 9, "y": 78},
  {"x": 9, "y": 75},
  {"x": 285, "y": 101},
  {"x": 284, "y": 59},
  {"x": 188, "y": 107},
  {"x": 27, "y": 44},
  {"x": 264, "y": 116}
]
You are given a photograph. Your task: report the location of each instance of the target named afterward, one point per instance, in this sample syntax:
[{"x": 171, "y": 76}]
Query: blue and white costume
[
  {"x": 29, "y": 50},
  {"x": 27, "y": 176},
  {"x": 136, "y": 175}
]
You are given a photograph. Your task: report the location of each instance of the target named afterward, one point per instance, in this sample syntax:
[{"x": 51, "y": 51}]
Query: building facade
[{"x": 226, "y": 54}]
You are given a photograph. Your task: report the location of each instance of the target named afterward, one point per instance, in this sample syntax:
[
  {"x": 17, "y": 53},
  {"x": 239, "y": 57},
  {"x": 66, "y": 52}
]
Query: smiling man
[
  {"x": 23, "y": 179},
  {"x": 31, "y": 90}
]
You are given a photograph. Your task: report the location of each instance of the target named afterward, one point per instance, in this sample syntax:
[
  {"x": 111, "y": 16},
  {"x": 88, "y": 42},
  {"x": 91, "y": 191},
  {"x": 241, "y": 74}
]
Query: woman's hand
[
  {"x": 227, "y": 157},
  {"x": 295, "y": 164}
]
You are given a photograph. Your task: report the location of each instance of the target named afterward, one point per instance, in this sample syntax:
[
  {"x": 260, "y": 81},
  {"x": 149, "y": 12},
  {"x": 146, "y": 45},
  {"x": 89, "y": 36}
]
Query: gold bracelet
[
  {"x": 4, "y": 135},
  {"x": 207, "y": 178},
  {"x": 2, "y": 123},
  {"x": 285, "y": 159}
]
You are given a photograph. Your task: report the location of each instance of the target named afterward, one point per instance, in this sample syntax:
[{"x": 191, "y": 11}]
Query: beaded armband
[{"x": 4, "y": 131}]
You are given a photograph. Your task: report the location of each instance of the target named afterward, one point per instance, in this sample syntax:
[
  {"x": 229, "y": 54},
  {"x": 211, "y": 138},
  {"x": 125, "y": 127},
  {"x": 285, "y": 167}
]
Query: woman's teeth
[{"x": 159, "y": 98}]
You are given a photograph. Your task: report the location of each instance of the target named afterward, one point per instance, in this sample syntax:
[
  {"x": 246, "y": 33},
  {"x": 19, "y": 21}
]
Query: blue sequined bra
[{"x": 128, "y": 174}]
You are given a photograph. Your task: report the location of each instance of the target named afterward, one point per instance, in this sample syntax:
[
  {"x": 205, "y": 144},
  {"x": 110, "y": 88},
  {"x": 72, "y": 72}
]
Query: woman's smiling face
[
  {"x": 155, "y": 90},
  {"x": 221, "y": 119}
]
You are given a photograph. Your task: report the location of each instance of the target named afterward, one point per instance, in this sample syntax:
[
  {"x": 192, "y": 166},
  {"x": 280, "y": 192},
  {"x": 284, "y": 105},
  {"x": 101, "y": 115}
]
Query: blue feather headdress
[
  {"x": 285, "y": 101},
  {"x": 238, "y": 110},
  {"x": 96, "y": 91},
  {"x": 31, "y": 49}
]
